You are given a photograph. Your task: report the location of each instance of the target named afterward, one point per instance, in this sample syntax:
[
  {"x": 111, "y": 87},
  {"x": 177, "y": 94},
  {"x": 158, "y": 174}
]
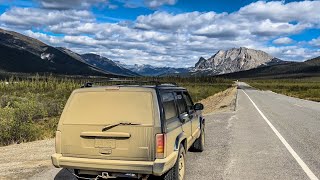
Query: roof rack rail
[
  {"x": 168, "y": 84},
  {"x": 131, "y": 82}
]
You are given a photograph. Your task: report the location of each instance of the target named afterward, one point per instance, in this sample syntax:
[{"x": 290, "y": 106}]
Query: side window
[
  {"x": 169, "y": 106},
  {"x": 181, "y": 103},
  {"x": 188, "y": 100}
]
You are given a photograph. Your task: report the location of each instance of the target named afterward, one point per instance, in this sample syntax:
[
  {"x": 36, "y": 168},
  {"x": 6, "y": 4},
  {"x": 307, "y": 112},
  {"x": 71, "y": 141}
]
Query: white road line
[
  {"x": 297, "y": 105},
  {"x": 286, "y": 144}
]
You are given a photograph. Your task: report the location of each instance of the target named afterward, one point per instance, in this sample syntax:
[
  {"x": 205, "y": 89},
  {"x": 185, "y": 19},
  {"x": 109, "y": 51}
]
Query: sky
[{"x": 173, "y": 33}]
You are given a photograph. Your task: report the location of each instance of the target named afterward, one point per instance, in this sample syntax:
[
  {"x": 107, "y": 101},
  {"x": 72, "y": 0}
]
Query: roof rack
[{"x": 131, "y": 82}]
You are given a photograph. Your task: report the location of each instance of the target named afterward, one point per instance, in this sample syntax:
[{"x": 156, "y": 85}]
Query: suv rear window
[
  {"x": 109, "y": 107},
  {"x": 169, "y": 106}
]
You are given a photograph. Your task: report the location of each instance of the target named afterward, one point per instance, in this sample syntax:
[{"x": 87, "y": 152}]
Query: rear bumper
[{"x": 157, "y": 167}]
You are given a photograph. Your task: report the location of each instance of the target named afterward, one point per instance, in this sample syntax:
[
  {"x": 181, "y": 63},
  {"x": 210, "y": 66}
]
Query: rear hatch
[{"x": 108, "y": 123}]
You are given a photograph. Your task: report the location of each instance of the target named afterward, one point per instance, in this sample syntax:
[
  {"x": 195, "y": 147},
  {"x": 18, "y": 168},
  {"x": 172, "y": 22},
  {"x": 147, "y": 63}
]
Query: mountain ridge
[
  {"x": 20, "y": 53},
  {"x": 234, "y": 60},
  {"x": 107, "y": 64},
  {"x": 24, "y": 54}
]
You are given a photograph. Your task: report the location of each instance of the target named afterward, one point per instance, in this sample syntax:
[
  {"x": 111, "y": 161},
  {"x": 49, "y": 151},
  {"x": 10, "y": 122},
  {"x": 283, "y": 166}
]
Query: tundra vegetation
[
  {"x": 30, "y": 107},
  {"x": 305, "y": 88}
]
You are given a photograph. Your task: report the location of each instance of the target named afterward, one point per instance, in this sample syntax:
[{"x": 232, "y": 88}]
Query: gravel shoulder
[{"x": 20, "y": 161}]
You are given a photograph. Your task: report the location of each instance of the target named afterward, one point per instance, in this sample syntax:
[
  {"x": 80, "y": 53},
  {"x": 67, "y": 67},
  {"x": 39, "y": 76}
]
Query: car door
[
  {"x": 171, "y": 120},
  {"x": 184, "y": 116},
  {"x": 195, "y": 127}
]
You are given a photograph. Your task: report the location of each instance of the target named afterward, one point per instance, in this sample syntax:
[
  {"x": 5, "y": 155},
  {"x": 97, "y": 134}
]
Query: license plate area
[{"x": 104, "y": 143}]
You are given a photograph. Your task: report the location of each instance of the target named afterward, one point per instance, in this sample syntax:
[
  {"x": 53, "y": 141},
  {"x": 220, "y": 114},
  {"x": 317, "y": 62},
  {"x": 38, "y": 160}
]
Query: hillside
[
  {"x": 107, "y": 64},
  {"x": 19, "y": 53}
]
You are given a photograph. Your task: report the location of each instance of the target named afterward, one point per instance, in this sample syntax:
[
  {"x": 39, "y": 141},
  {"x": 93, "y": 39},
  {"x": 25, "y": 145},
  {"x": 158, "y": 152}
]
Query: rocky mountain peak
[{"x": 233, "y": 60}]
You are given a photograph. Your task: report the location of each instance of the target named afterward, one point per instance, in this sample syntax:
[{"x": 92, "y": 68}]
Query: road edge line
[{"x": 303, "y": 165}]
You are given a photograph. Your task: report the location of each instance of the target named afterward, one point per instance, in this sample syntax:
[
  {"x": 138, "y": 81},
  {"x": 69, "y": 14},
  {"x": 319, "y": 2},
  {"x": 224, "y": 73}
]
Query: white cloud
[
  {"x": 44, "y": 37},
  {"x": 268, "y": 28},
  {"x": 315, "y": 42},
  {"x": 282, "y": 41},
  {"x": 180, "y": 22},
  {"x": 279, "y": 11},
  {"x": 293, "y": 53},
  {"x": 153, "y": 4},
  {"x": 157, "y": 3},
  {"x": 70, "y": 4},
  {"x": 33, "y": 17}
]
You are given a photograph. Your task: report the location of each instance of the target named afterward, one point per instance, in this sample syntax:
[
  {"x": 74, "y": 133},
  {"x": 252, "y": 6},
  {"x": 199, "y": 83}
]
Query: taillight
[
  {"x": 160, "y": 142},
  {"x": 58, "y": 142}
]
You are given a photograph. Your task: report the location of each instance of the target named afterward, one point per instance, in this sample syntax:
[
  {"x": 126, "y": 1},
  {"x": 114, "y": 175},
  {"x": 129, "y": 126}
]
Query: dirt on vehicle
[{"x": 16, "y": 165}]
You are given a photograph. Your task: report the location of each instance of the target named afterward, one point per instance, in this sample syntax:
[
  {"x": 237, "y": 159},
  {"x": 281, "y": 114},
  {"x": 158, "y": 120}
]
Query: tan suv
[{"x": 134, "y": 131}]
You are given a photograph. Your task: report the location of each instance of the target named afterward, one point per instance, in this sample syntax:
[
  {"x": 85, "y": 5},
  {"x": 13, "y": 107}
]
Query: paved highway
[{"x": 269, "y": 136}]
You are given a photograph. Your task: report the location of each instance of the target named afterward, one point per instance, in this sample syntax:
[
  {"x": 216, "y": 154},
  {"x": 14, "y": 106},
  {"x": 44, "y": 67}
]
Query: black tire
[
  {"x": 173, "y": 173},
  {"x": 198, "y": 145}
]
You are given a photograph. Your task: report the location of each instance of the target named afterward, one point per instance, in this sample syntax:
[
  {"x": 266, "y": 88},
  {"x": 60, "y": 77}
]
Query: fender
[{"x": 182, "y": 136}]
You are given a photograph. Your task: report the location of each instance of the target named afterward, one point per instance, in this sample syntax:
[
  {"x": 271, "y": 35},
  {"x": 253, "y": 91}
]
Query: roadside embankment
[{"x": 219, "y": 102}]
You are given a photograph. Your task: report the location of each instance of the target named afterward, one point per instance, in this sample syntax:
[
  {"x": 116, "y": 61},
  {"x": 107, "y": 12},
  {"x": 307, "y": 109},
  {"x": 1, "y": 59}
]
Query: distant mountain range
[
  {"x": 20, "y": 53},
  {"x": 148, "y": 70}
]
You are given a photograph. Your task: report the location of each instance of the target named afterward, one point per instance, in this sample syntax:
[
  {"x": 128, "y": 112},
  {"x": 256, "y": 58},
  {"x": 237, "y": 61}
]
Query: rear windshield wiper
[{"x": 118, "y": 124}]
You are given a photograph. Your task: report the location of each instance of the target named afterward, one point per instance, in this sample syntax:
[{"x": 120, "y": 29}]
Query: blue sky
[{"x": 168, "y": 32}]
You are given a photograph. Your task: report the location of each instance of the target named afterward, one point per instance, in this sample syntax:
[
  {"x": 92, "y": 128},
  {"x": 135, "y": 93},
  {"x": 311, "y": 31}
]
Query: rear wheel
[{"x": 177, "y": 172}]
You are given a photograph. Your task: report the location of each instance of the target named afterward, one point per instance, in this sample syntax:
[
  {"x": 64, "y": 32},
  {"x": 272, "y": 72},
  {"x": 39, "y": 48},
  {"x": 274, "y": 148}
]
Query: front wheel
[{"x": 177, "y": 172}]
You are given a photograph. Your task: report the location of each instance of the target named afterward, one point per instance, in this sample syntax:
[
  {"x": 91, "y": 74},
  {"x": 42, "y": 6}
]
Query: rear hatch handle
[
  {"x": 106, "y": 134},
  {"x": 110, "y": 126}
]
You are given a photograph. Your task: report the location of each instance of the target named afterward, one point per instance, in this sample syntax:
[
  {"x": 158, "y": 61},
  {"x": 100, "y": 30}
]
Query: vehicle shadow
[{"x": 64, "y": 174}]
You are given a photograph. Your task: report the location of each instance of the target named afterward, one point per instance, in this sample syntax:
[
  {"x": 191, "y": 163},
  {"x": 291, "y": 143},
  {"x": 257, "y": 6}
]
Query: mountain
[
  {"x": 314, "y": 61},
  {"x": 234, "y": 60},
  {"x": 107, "y": 64},
  {"x": 20, "y": 53},
  {"x": 149, "y": 70},
  {"x": 309, "y": 68}
]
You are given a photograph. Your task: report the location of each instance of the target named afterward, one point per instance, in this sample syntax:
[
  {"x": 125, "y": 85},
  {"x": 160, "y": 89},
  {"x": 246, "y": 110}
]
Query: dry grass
[{"x": 308, "y": 89}]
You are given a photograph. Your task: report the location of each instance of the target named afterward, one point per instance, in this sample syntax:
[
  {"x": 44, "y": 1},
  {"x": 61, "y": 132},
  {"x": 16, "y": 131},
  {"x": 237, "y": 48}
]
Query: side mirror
[{"x": 198, "y": 106}]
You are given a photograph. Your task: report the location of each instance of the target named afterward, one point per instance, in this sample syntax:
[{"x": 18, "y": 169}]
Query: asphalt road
[{"x": 269, "y": 136}]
